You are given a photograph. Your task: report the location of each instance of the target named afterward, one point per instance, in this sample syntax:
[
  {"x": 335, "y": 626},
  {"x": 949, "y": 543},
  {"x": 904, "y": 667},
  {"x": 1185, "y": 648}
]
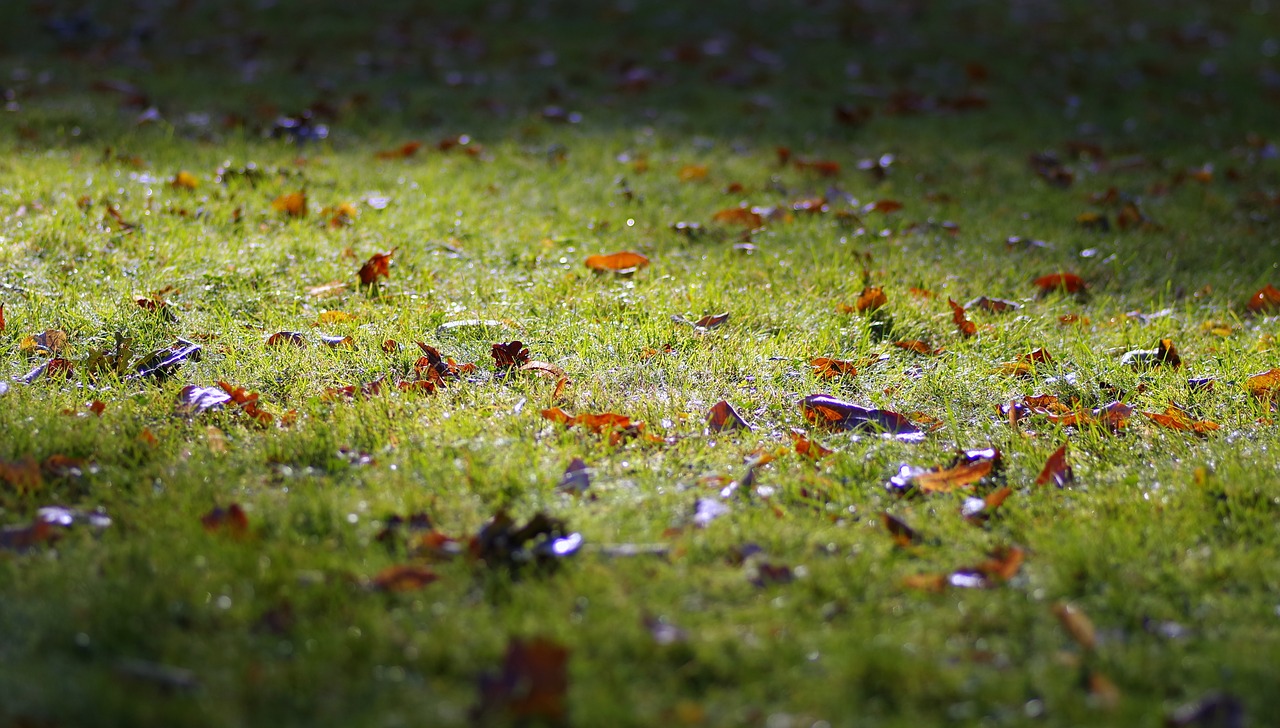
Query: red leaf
[
  {"x": 1056, "y": 470},
  {"x": 623, "y": 262},
  {"x": 1069, "y": 282},
  {"x": 724, "y": 417},
  {"x": 231, "y": 520},
  {"x": 967, "y": 328},
  {"x": 807, "y": 447},
  {"x": 378, "y": 266}
]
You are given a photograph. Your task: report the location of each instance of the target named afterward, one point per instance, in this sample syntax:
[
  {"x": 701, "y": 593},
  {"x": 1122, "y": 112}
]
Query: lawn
[{"x": 938, "y": 385}]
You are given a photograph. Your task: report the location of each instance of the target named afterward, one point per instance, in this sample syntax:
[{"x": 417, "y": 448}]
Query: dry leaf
[
  {"x": 403, "y": 578},
  {"x": 1069, "y": 282},
  {"x": 293, "y": 204},
  {"x": 184, "y": 180},
  {"x": 1056, "y": 470},
  {"x": 832, "y": 368},
  {"x": 724, "y": 417},
  {"x": 622, "y": 262},
  {"x": 967, "y": 328},
  {"x": 1267, "y": 299},
  {"x": 377, "y": 266},
  {"x": 1077, "y": 624}
]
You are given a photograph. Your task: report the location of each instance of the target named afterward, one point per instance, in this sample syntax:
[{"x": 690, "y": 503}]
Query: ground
[{"x": 192, "y": 194}]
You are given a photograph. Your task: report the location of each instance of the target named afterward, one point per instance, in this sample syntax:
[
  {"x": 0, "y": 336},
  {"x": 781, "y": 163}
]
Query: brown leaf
[
  {"x": 403, "y": 578},
  {"x": 510, "y": 354},
  {"x": 1165, "y": 354},
  {"x": 967, "y": 328},
  {"x": 992, "y": 305},
  {"x": 622, "y": 262},
  {"x": 724, "y": 417},
  {"x": 248, "y": 403},
  {"x": 1056, "y": 470},
  {"x": 377, "y": 266},
  {"x": 23, "y": 475},
  {"x": 825, "y": 411},
  {"x": 231, "y": 520},
  {"x": 1267, "y": 299},
  {"x": 821, "y": 167},
  {"x": 333, "y": 288},
  {"x": 882, "y": 206},
  {"x": 284, "y": 338},
  {"x": 1024, "y": 365},
  {"x": 711, "y": 321},
  {"x": 902, "y": 534},
  {"x": 871, "y": 298},
  {"x": 650, "y": 352},
  {"x": 979, "y": 510},
  {"x": 1104, "y": 693},
  {"x": 532, "y": 684},
  {"x": 97, "y": 407},
  {"x": 404, "y": 151},
  {"x": 832, "y": 368},
  {"x": 544, "y": 369},
  {"x": 1077, "y": 624},
  {"x": 949, "y": 479},
  {"x": 293, "y": 204},
  {"x": 1069, "y": 282},
  {"x": 333, "y": 342},
  {"x": 52, "y": 341},
  {"x": 744, "y": 216},
  {"x": 390, "y": 346}
]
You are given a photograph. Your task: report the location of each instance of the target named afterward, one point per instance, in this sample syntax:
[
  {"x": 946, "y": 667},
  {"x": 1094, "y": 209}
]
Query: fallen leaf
[
  {"x": 163, "y": 363},
  {"x": 23, "y": 475},
  {"x": 650, "y": 352},
  {"x": 1, "y": 317},
  {"x": 979, "y": 510},
  {"x": 333, "y": 342},
  {"x": 1069, "y": 282},
  {"x": 543, "y": 541},
  {"x": 693, "y": 172},
  {"x": 1266, "y": 300},
  {"x": 1215, "y": 710},
  {"x": 404, "y": 151},
  {"x": 327, "y": 290},
  {"x": 1175, "y": 418},
  {"x": 622, "y": 262},
  {"x": 352, "y": 391},
  {"x": 871, "y": 298},
  {"x": 545, "y": 369},
  {"x": 833, "y": 368},
  {"x": 1265, "y": 385},
  {"x": 949, "y": 479},
  {"x": 248, "y": 403},
  {"x": 882, "y": 206},
  {"x": 231, "y": 520},
  {"x": 403, "y": 578},
  {"x": 576, "y": 478},
  {"x": 1077, "y": 624},
  {"x": 918, "y": 346},
  {"x": 184, "y": 180},
  {"x": 97, "y": 407},
  {"x": 724, "y": 417},
  {"x": 967, "y": 328},
  {"x": 1025, "y": 364},
  {"x": 52, "y": 341},
  {"x": 903, "y": 535},
  {"x": 509, "y": 355},
  {"x": 992, "y": 305},
  {"x": 390, "y": 346},
  {"x": 1056, "y": 470},
  {"x": 747, "y": 217},
  {"x": 822, "y": 167},
  {"x": 284, "y": 338},
  {"x": 532, "y": 684},
  {"x": 377, "y": 266},
  {"x": 1165, "y": 354},
  {"x": 193, "y": 400},
  {"x": 334, "y": 317},
  {"x": 1103, "y": 691},
  {"x": 293, "y": 204},
  {"x": 825, "y": 411},
  {"x": 56, "y": 367},
  {"x": 706, "y": 323},
  {"x": 807, "y": 447}
]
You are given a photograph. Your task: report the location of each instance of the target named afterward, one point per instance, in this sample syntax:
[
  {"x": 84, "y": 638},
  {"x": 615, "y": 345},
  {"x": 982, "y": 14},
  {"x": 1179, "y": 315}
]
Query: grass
[{"x": 1166, "y": 540}]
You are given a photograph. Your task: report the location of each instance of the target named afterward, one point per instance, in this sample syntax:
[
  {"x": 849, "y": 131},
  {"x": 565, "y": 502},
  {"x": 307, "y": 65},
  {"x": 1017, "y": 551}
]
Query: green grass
[{"x": 1160, "y": 527}]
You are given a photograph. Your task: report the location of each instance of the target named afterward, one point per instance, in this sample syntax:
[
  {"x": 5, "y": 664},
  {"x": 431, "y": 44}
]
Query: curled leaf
[
  {"x": 377, "y": 266},
  {"x": 825, "y": 411},
  {"x": 1056, "y": 470},
  {"x": 966, "y": 327},
  {"x": 724, "y": 417},
  {"x": 509, "y": 355},
  {"x": 832, "y": 368},
  {"x": 1069, "y": 282}
]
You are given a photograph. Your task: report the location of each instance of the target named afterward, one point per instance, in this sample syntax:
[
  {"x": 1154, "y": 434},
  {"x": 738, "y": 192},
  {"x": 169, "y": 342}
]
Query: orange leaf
[
  {"x": 693, "y": 172},
  {"x": 967, "y": 327},
  {"x": 1056, "y": 470},
  {"x": 1176, "y": 419},
  {"x": 623, "y": 262},
  {"x": 1265, "y": 384},
  {"x": 871, "y": 298},
  {"x": 1265, "y": 300},
  {"x": 184, "y": 180},
  {"x": 807, "y": 447},
  {"x": 293, "y": 204},
  {"x": 1004, "y": 563},
  {"x": 403, "y": 578},
  {"x": 23, "y": 475},
  {"x": 1069, "y": 282},
  {"x": 282, "y": 338},
  {"x": 378, "y": 266},
  {"x": 917, "y": 346},
  {"x": 832, "y": 368}
]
